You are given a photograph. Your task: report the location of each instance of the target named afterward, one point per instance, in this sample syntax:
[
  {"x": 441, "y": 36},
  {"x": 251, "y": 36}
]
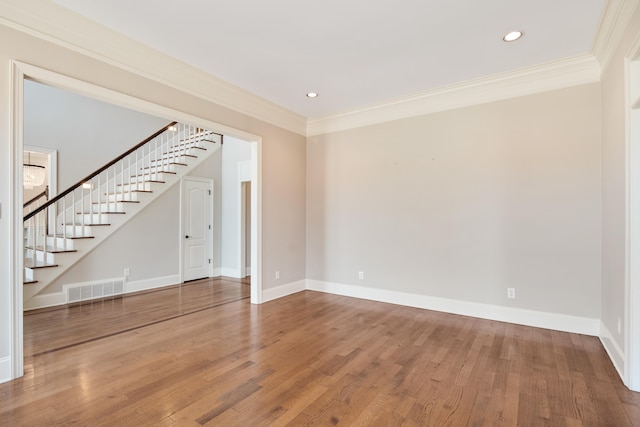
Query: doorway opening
[{"x": 23, "y": 72}]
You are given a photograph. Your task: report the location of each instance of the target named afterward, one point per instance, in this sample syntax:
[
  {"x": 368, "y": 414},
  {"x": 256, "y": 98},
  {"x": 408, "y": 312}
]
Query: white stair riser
[
  {"x": 149, "y": 177},
  {"x": 184, "y": 150},
  {"x": 140, "y": 186},
  {"x": 108, "y": 207},
  {"x": 159, "y": 168},
  {"x": 60, "y": 243},
  {"x": 130, "y": 197},
  {"x": 77, "y": 231},
  {"x": 28, "y": 274},
  {"x": 93, "y": 218},
  {"x": 40, "y": 256},
  {"x": 168, "y": 158}
]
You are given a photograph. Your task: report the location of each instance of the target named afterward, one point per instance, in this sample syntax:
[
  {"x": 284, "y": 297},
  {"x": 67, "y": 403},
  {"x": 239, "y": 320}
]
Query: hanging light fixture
[{"x": 32, "y": 175}]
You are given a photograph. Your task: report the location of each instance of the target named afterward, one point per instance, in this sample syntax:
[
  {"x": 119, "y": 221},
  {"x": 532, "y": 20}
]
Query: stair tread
[
  {"x": 30, "y": 263},
  {"x": 64, "y": 236},
  {"x": 157, "y": 171},
  {"x": 169, "y": 156},
  {"x": 112, "y": 202},
  {"x": 166, "y": 163},
  {"x": 101, "y": 213},
  {"x": 96, "y": 224},
  {"x": 29, "y": 282},
  {"x": 129, "y": 191},
  {"x": 51, "y": 249},
  {"x": 183, "y": 147},
  {"x": 143, "y": 182}
]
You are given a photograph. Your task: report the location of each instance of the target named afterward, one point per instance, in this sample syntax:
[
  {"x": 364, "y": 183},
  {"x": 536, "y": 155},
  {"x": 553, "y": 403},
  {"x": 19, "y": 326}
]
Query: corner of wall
[{"x": 616, "y": 354}]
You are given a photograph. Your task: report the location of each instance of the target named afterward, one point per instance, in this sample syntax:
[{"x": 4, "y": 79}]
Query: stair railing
[{"x": 107, "y": 189}]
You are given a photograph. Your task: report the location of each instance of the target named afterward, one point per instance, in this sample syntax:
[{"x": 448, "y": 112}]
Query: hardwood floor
[{"x": 201, "y": 354}]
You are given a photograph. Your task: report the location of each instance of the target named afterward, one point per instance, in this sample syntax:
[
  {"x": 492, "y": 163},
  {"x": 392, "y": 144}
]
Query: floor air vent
[{"x": 89, "y": 291}]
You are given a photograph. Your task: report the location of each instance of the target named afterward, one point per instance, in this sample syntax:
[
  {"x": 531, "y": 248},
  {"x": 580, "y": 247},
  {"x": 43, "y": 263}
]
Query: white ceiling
[{"x": 352, "y": 52}]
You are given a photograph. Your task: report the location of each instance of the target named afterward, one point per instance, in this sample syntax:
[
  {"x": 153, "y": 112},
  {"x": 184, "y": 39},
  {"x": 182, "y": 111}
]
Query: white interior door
[{"x": 196, "y": 228}]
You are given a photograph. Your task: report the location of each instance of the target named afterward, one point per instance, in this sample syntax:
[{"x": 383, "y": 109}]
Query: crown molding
[
  {"x": 55, "y": 24},
  {"x": 613, "y": 23},
  {"x": 525, "y": 81}
]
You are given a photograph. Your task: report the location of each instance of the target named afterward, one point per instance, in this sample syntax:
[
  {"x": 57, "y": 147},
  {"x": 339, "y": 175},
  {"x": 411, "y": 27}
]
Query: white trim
[
  {"x": 15, "y": 218},
  {"x": 5, "y": 370},
  {"x": 631, "y": 371},
  {"x": 554, "y": 75},
  {"x": 247, "y": 271},
  {"x": 156, "y": 282},
  {"x": 52, "y": 166},
  {"x": 244, "y": 176},
  {"x": 611, "y": 29},
  {"x": 256, "y": 222},
  {"x": 283, "y": 290},
  {"x": 46, "y": 300},
  {"x": 216, "y": 272},
  {"x": 52, "y": 174},
  {"x": 538, "y": 319},
  {"x": 55, "y": 24},
  {"x": 616, "y": 354}
]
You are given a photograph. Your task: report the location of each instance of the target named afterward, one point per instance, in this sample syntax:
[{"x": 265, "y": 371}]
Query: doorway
[
  {"x": 196, "y": 200},
  {"x": 36, "y": 192},
  {"x": 22, "y": 72}
]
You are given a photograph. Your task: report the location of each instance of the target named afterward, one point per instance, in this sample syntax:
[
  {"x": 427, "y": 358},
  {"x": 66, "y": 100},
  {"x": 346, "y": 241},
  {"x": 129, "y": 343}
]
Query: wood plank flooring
[{"x": 201, "y": 354}]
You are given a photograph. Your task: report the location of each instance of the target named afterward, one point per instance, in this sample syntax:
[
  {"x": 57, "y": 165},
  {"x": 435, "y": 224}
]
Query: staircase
[{"x": 61, "y": 231}]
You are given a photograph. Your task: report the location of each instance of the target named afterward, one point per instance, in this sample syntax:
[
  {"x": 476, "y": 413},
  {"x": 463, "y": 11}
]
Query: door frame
[
  {"x": 52, "y": 166},
  {"x": 21, "y": 71},
  {"x": 52, "y": 174},
  {"x": 183, "y": 181}
]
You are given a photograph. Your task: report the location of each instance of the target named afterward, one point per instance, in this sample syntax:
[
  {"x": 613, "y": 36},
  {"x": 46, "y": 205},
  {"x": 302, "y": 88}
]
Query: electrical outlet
[
  {"x": 126, "y": 272},
  {"x": 511, "y": 293},
  {"x": 361, "y": 275},
  {"x": 278, "y": 275}
]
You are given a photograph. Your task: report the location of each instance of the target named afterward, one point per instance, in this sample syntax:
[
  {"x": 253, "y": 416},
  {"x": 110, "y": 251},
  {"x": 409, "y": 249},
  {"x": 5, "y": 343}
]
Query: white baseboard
[
  {"x": 5, "y": 370},
  {"x": 616, "y": 354},
  {"x": 283, "y": 290},
  {"x": 156, "y": 282},
  {"x": 247, "y": 271},
  {"x": 539, "y": 319},
  {"x": 46, "y": 300},
  {"x": 216, "y": 272},
  {"x": 231, "y": 272}
]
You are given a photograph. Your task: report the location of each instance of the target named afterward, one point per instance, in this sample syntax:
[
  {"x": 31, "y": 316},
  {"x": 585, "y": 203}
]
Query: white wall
[
  {"x": 614, "y": 203},
  {"x": 466, "y": 203},
  {"x": 234, "y": 151},
  {"x": 86, "y": 132}
]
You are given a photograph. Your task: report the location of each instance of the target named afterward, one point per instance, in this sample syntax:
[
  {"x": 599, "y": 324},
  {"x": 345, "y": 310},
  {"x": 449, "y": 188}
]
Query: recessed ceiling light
[
  {"x": 513, "y": 36},
  {"x": 312, "y": 95}
]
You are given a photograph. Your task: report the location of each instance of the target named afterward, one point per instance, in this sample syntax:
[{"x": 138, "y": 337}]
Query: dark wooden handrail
[
  {"x": 97, "y": 172},
  {"x": 44, "y": 193}
]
